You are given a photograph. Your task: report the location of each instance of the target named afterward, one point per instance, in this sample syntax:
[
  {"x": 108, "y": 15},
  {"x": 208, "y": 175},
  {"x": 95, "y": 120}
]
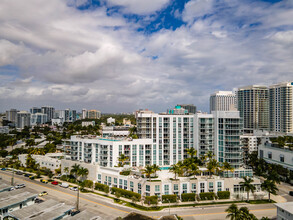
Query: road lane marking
[{"x": 69, "y": 194}]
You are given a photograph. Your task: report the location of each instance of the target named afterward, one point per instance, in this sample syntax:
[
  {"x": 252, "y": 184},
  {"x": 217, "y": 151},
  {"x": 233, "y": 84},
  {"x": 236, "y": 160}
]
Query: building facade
[
  {"x": 23, "y": 119},
  {"x": 281, "y": 107},
  {"x": 253, "y": 105},
  {"x": 38, "y": 118},
  {"x": 11, "y": 115},
  {"x": 49, "y": 111},
  {"x": 189, "y": 107},
  {"x": 222, "y": 101}
]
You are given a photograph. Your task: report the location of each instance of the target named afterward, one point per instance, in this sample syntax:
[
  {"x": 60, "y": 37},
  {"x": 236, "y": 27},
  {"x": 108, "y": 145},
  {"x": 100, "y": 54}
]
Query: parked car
[
  {"x": 43, "y": 193},
  {"x": 291, "y": 193},
  {"x": 39, "y": 200},
  {"x": 19, "y": 173},
  {"x": 74, "y": 188},
  {"x": 27, "y": 175},
  {"x": 18, "y": 186},
  {"x": 43, "y": 181},
  {"x": 65, "y": 185},
  {"x": 74, "y": 212},
  {"x": 11, "y": 188},
  {"x": 3, "y": 168},
  {"x": 54, "y": 183},
  {"x": 32, "y": 177}
]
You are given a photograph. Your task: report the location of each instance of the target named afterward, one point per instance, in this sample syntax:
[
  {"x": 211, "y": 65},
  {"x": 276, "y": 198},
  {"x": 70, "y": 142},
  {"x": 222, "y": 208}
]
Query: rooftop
[
  {"x": 85, "y": 215},
  {"x": 9, "y": 198},
  {"x": 287, "y": 206},
  {"x": 49, "y": 209}
]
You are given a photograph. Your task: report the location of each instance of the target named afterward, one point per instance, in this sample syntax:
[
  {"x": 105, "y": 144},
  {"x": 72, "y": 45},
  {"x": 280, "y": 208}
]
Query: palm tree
[
  {"x": 233, "y": 212},
  {"x": 226, "y": 166},
  {"x": 122, "y": 159},
  {"x": 156, "y": 168},
  {"x": 213, "y": 166},
  {"x": 244, "y": 214},
  {"x": 74, "y": 170},
  {"x": 66, "y": 170},
  {"x": 148, "y": 171},
  {"x": 192, "y": 152},
  {"x": 194, "y": 169},
  {"x": 210, "y": 155},
  {"x": 270, "y": 187},
  {"x": 83, "y": 172},
  {"x": 175, "y": 169},
  {"x": 248, "y": 186}
]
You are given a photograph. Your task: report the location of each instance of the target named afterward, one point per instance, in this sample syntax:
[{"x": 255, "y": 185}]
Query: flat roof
[
  {"x": 4, "y": 187},
  {"x": 9, "y": 198},
  {"x": 49, "y": 209},
  {"x": 287, "y": 206}
]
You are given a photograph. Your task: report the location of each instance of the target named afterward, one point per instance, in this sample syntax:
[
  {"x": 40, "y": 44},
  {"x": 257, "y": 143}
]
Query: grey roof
[
  {"x": 49, "y": 209},
  {"x": 287, "y": 206},
  {"x": 10, "y": 198},
  {"x": 86, "y": 215},
  {"x": 4, "y": 187}
]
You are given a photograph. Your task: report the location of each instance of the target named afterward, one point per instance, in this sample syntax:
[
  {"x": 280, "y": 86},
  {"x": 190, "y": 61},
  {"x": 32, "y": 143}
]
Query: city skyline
[{"x": 120, "y": 56}]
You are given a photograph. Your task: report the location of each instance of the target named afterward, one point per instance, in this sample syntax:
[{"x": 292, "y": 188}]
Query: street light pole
[
  {"x": 12, "y": 178},
  {"x": 77, "y": 199}
]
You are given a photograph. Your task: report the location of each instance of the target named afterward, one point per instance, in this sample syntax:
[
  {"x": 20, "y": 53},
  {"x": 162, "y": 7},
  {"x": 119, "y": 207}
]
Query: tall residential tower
[{"x": 222, "y": 101}]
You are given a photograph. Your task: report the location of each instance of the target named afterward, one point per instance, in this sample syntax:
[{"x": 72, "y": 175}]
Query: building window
[
  {"x": 115, "y": 180},
  {"x": 282, "y": 158},
  {"x": 202, "y": 187},
  {"x": 211, "y": 187},
  {"x": 270, "y": 155},
  {"x": 99, "y": 176},
  {"x": 184, "y": 188},
  {"x": 147, "y": 188},
  {"x": 157, "y": 188},
  {"x": 219, "y": 186},
  {"x": 175, "y": 187},
  {"x": 166, "y": 189},
  {"x": 193, "y": 187}
]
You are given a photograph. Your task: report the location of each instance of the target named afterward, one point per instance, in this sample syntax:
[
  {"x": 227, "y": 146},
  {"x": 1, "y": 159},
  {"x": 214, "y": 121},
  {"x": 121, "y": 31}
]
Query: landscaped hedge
[
  {"x": 151, "y": 200},
  {"x": 102, "y": 187},
  {"x": 186, "y": 197},
  {"x": 207, "y": 196},
  {"x": 126, "y": 193},
  {"x": 223, "y": 195},
  {"x": 171, "y": 198}
]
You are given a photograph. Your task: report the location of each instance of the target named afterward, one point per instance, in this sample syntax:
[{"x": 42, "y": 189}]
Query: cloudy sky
[{"x": 122, "y": 55}]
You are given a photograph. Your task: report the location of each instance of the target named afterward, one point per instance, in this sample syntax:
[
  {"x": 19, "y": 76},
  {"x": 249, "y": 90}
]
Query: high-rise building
[
  {"x": 84, "y": 111},
  {"x": 23, "y": 119},
  {"x": 189, "y": 107},
  {"x": 35, "y": 110},
  {"x": 68, "y": 115},
  {"x": 93, "y": 114},
  {"x": 219, "y": 133},
  {"x": 49, "y": 110},
  {"x": 11, "y": 115},
  {"x": 253, "y": 105},
  {"x": 281, "y": 107},
  {"x": 38, "y": 118},
  {"x": 222, "y": 101}
]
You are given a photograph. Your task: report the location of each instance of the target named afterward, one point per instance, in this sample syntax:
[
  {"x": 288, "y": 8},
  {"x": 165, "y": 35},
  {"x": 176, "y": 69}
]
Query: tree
[
  {"x": 156, "y": 168},
  {"x": 148, "y": 171},
  {"x": 192, "y": 152},
  {"x": 233, "y": 212},
  {"x": 175, "y": 169},
  {"x": 248, "y": 186},
  {"x": 226, "y": 166},
  {"x": 75, "y": 169},
  {"x": 122, "y": 159},
  {"x": 194, "y": 169},
  {"x": 245, "y": 214},
  {"x": 66, "y": 170},
  {"x": 213, "y": 166},
  {"x": 270, "y": 187},
  {"x": 83, "y": 172}
]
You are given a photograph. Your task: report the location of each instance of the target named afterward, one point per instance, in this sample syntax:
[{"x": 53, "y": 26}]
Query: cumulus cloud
[{"x": 86, "y": 58}]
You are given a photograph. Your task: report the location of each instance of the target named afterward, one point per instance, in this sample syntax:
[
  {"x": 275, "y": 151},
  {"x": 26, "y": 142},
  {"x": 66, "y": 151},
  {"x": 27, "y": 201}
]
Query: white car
[
  {"x": 74, "y": 188},
  {"x": 65, "y": 185},
  {"x": 18, "y": 186}
]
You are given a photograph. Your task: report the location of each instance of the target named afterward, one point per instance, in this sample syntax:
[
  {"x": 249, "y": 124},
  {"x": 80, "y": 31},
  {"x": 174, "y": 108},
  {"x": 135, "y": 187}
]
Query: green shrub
[
  {"x": 186, "y": 197},
  {"x": 223, "y": 195},
  {"x": 167, "y": 198},
  {"x": 151, "y": 200},
  {"x": 88, "y": 183},
  {"x": 102, "y": 187},
  {"x": 126, "y": 193},
  {"x": 207, "y": 196},
  {"x": 125, "y": 172}
]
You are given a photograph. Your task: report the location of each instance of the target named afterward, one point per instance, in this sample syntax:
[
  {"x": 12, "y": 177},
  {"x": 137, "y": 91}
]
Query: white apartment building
[
  {"x": 222, "y": 101},
  {"x": 105, "y": 151},
  {"x": 23, "y": 118},
  {"x": 281, "y": 107},
  {"x": 115, "y": 131},
  {"x": 110, "y": 120},
  {"x": 253, "y": 105},
  {"x": 50, "y": 161},
  {"x": 38, "y": 118},
  {"x": 284, "y": 211},
  {"x": 272, "y": 153}
]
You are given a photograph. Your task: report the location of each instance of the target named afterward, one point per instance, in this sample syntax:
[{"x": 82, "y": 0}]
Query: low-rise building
[
  {"x": 49, "y": 209},
  {"x": 88, "y": 123},
  {"x": 115, "y": 131},
  {"x": 111, "y": 120},
  {"x": 273, "y": 153},
  {"x": 50, "y": 161},
  {"x": 284, "y": 211},
  {"x": 4, "y": 129},
  {"x": 14, "y": 200}
]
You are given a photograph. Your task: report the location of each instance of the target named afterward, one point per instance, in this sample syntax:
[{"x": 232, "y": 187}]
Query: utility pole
[
  {"x": 12, "y": 178},
  {"x": 77, "y": 199}
]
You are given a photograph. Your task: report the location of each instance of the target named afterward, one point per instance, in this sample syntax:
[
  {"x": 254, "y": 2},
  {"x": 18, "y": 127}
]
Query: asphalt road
[{"x": 106, "y": 209}]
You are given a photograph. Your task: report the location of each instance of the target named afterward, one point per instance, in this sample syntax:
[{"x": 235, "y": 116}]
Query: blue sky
[{"x": 122, "y": 55}]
